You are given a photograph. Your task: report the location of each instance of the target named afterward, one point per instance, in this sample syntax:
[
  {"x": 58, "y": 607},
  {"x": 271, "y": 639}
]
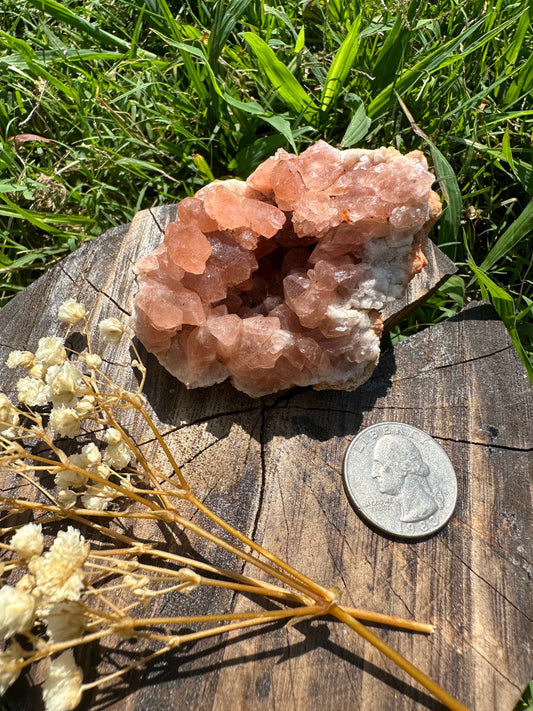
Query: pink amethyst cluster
[{"x": 279, "y": 280}]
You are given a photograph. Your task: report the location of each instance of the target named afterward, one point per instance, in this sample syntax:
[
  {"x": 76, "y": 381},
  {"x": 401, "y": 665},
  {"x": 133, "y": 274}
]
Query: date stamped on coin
[{"x": 400, "y": 480}]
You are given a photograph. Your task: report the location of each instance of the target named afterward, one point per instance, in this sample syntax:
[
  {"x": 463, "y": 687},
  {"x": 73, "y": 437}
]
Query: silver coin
[{"x": 400, "y": 480}]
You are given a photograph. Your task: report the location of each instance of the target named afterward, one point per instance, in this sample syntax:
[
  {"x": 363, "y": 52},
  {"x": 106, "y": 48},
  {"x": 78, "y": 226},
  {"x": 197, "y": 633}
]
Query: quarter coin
[{"x": 400, "y": 480}]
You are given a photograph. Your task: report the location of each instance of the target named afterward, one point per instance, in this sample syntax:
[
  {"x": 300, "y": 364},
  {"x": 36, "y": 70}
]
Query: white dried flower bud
[
  {"x": 62, "y": 686},
  {"x": 51, "y": 351},
  {"x": 67, "y": 498},
  {"x": 71, "y": 311},
  {"x": 94, "y": 503},
  {"x": 66, "y": 384},
  {"x": 64, "y": 421},
  {"x": 137, "y": 364},
  {"x": 91, "y": 455},
  {"x": 28, "y": 541},
  {"x": 112, "y": 436},
  {"x": 26, "y": 583},
  {"x": 32, "y": 392},
  {"x": 20, "y": 358},
  {"x": 103, "y": 470},
  {"x": 97, "y": 497},
  {"x": 9, "y": 417},
  {"x": 37, "y": 371},
  {"x": 111, "y": 330},
  {"x": 59, "y": 573},
  {"x": 192, "y": 580},
  {"x": 70, "y": 544},
  {"x": 132, "y": 581},
  {"x": 17, "y": 611},
  {"x": 85, "y": 406},
  {"x": 69, "y": 477},
  {"x": 64, "y": 620},
  {"x": 88, "y": 459},
  {"x": 10, "y": 665},
  {"x": 78, "y": 460},
  {"x": 93, "y": 360},
  {"x": 117, "y": 455}
]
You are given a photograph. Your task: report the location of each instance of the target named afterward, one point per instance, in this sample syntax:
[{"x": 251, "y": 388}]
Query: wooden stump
[{"x": 273, "y": 468}]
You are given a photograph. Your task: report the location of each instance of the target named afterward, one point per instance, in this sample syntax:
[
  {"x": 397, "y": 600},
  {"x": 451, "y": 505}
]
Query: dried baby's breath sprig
[
  {"x": 71, "y": 311},
  {"x": 77, "y": 590},
  {"x": 62, "y": 688},
  {"x": 111, "y": 330},
  {"x": 20, "y": 358},
  {"x": 28, "y": 541}
]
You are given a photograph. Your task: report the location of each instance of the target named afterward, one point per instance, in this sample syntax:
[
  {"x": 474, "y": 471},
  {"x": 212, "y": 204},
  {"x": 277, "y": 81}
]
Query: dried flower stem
[{"x": 398, "y": 659}]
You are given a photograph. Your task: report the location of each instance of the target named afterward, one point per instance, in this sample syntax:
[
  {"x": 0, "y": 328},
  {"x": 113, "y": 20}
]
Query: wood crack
[
  {"x": 108, "y": 296},
  {"x": 61, "y": 267},
  {"x": 262, "y": 485},
  {"x": 201, "y": 451},
  {"x": 407, "y": 408},
  {"x": 487, "y": 582},
  {"x": 473, "y": 360},
  {"x": 201, "y": 421},
  {"x": 397, "y": 595},
  {"x": 490, "y": 445},
  {"x": 454, "y": 364}
]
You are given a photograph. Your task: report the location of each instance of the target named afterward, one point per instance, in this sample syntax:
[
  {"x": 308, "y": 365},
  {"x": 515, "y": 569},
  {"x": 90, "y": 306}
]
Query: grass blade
[
  {"x": 340, "y": 67},
  {"x": 357, "y": 128},
  {"x": 429, "y": 63},
  {"x": 512, "y": 52},
  {"x": 300, "y": 41},
  {"x": 522, "y": 170},
  {"x": 65, "y": 15},
  {"x": 280, "y": 124},
  {"x": 504, "y": 305},
  {"x": 44, "y": 221},
  {"x": 277, "y": 122},
  {"x": 226, "y": 16},
  {"x": 72, "y": 55},
  {"x": 522, "y": 84},
  {"x": 283, "y": 81},
  {"x": 390, "y": 59},
  {"x": 450, "y": 220},
  {"x": 512, "y": 235}
]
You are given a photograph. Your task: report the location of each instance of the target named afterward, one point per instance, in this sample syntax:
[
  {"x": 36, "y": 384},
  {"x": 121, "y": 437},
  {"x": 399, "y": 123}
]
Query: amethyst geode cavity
[{"x": 280, "y": 280}]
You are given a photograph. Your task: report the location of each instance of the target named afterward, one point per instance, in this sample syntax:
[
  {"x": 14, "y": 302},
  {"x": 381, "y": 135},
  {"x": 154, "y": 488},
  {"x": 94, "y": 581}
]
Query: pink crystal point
[
  {"x": 187, "y": 246},
  {"x": 280, "y": 280}
]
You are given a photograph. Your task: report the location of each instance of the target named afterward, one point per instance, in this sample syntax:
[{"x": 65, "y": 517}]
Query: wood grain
[{"x": 273, "y": 467}]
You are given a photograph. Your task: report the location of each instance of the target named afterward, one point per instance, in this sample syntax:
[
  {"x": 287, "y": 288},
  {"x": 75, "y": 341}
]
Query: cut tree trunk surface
[{"x": 273, "y": 468}]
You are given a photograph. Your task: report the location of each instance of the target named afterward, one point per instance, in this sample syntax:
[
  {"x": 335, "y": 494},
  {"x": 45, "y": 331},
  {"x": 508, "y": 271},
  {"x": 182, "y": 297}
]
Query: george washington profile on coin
[{"x": 400, "y": 471}]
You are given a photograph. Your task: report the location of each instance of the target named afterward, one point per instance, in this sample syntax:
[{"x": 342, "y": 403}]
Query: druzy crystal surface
[{"x": 280, "y": 280}]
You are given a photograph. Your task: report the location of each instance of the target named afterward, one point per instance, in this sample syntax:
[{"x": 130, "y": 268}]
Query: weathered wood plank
[{"x": 273, "y": 468}]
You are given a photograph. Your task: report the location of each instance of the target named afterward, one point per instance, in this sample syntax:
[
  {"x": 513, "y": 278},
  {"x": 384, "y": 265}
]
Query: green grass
[
  {"x": 526, "y": 702},
  {"x": 143, "y": 101}
]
